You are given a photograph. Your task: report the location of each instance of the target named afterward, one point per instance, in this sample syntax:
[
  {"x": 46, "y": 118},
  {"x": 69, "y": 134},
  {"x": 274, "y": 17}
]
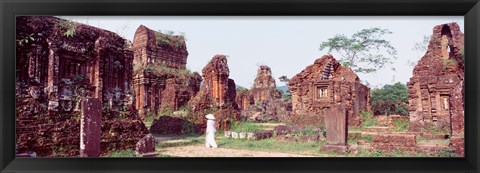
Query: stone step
[
  {"x": 434, "y": 136},
  {"x": 430, "y": 148},
  {"x": 151, "y": 154}
]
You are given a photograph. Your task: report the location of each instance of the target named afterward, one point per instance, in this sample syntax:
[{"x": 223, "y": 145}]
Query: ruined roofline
[
  {"x": 151, "y": 42},
  {"x": 101, "y": 31},
  {"x": 438, "y": 56},
  {"x": 55, "y": 28},
  {"x": 216, "y": 63},
  {"x": 320, "y": 63},
  {"x": 263, "y": 77}
]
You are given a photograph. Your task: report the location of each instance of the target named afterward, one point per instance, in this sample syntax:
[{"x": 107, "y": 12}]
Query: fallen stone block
[{"x": 145, "y": 145}]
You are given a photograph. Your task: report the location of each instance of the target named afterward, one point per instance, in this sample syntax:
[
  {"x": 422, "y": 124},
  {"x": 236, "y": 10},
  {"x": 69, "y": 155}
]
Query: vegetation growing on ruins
[
  {"x": 24, "y": 38},
  {"x": 365, "y": 51},
  {"x": 448, "y": 62},
  {"x": 159, "y": 69},
  {"x": 67, "y": 27},
  {"x": 390, "y": 99},
  {"x": 168, "y": 38},
  {"x": 400, "y": 125}
]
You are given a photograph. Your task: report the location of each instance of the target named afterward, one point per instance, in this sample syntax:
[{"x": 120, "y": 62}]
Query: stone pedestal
[
  {"x": 90, "y": 127},
  {"x": 336, "y": 124},
  {"x": 335, "y": 148}
]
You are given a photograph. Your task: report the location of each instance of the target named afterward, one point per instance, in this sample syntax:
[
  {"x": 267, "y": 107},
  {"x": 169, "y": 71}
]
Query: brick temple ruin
[
  {"x": 217, "y": 94},
  {"x": 161, "y": 80},
  {"x": 263, "y": 101},
  {"x": 327, "y": 83},
  {"x": 60, "y": 63},
  {"x": 436, "y": 90}
]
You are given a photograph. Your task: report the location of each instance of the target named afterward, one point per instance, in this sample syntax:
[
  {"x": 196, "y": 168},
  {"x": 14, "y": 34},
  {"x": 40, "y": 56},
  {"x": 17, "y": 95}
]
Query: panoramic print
[{"x": 231, "y": 86}]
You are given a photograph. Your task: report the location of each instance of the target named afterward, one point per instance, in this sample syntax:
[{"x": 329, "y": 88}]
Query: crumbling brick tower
[
  {"x": 158, "y": 57},
  {"x": 264, "y": 87},
  {"x": 59, "y": 63},
  {"x": 266, "y": 101},
  {"x": 327, "y": 83},
  {"x": 217, "y": 94},
  {"x": 436, "y": 88}
]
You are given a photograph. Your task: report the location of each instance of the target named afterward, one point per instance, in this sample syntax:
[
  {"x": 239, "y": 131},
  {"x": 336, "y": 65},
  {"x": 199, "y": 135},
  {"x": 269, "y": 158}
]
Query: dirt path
[{"x": 202, "y": 151}]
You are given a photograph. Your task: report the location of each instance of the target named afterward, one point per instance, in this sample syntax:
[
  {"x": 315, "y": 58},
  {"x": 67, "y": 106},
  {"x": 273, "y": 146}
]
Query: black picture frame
[{"x": 470, "y": 9}]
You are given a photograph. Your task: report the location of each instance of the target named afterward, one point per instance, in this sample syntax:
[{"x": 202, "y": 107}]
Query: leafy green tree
[
  {"x": 390, "y": 99},
  {"x": 365, "y": 51},
  {"x": 285, "y": 95}
]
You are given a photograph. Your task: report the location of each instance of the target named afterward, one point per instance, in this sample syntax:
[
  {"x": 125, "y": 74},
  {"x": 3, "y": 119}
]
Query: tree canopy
[
  {"x": 365, "y": 51},
  {"x": 390, "y": 99}
]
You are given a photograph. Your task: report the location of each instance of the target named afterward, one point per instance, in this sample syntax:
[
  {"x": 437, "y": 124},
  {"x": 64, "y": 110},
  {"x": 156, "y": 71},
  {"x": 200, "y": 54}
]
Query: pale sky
[{"x": 286, "y": 44}]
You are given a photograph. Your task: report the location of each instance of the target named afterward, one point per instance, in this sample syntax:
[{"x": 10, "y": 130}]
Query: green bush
[
  {"x": 391, "y": 99},
  {"x": 67, "y": 27}
]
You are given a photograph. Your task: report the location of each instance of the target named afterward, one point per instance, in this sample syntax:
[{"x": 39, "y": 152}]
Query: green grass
[
  {"x": 399, "y": 153},
  {"x": 122, "y": 153},
  {"x": 149, "y": 119},
  {"x": 129, "y": 153},
  {"x": 355, "y": 128},
  {"x": 246, "y": 127},
  {"x": 190, "y": 140},
  {"x": 272, "y": 146},
  {"x": 401, "y": 125},
  {"x": 352, "y": 141},
  {"x": 367, "y": 119}
]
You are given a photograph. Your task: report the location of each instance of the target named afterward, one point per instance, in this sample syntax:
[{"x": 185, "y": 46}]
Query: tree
[
  {"x": 365, "y": 51},
  {"x": 420, "y": 48},
  {"x": 390, "y": 99},
  {"x": 283, "y": 79},
  {"x": 285, "y": 95}
]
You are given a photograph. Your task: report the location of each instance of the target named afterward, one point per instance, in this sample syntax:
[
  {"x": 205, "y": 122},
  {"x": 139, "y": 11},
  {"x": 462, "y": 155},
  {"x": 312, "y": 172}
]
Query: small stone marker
[
  {"x": 90, "y": 127},
  {"x": 228, "y": 134},
  {"x": 336, "y": 122},
  {"x": 337, "y": 129},
  {"x": 242, "y": 135},
  {"x": 234, "y": 135},
  {"x": 146, "y": 147}
]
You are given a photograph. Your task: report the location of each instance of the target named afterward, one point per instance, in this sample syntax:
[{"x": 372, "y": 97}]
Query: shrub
[
  {"x": 391, "y": 99},
  {"x": 67, "y": 27}
]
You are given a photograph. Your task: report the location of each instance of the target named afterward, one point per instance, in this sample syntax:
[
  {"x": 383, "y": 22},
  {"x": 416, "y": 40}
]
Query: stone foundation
[{"x": 393, "y": 142}]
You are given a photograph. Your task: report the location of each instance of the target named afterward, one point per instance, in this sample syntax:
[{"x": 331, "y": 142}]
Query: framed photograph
[{"x": 267, "y": 86}]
